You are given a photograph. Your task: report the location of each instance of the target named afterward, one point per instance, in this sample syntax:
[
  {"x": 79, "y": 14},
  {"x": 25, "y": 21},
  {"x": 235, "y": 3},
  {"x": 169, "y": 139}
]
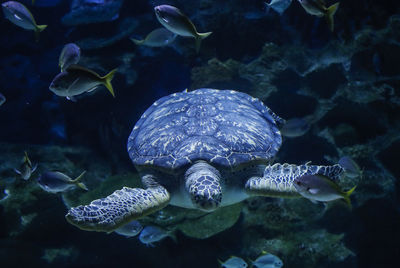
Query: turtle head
[{"x": 203, "y": 185}]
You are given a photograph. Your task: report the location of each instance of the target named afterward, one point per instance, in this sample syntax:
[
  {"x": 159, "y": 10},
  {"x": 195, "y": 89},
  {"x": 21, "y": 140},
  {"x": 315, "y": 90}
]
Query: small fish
[
  {"x": 70, "y": 54},
  {"x": 55, "y": 182},
  {"x": 26, "y": 169},
  {"x": 295, "y": 127},
  {"x": 267, "y": 260},
  {"x": 233, "y": 262},
  {"x": 4, "y": 195},
  {"x": 318, "y": 8},
  {"x": 18, "y": 14},
  {"x": 151, "y": 234},
  {"x": 350, "y": 167},
  {"x": 279, "y": 5},
  {"x": 174, "y": 20},
  {"x": 320, "y": 188},
  {"x": 2, "y": 99},
  {"x": 77, "y": 80},
  {"x": 158, "y": 38},
  {"x": 130, "y": 229}
]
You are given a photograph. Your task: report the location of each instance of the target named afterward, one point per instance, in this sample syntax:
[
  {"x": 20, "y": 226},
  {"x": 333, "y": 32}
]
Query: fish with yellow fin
[
  {"x": 20, "y": 15},
  {"x": 27, "y": 168},
  {"x": 318, "y": 8},
  {"x": 76, "y": 80},
  {"x": 175, "y": 21},
  {"x": 321, "y": 188}
]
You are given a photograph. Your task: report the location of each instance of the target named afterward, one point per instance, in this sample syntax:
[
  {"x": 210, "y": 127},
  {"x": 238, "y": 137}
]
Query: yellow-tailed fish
[
  {"x": 158, "y": 38},
  {"x": 26, "y": 169},
  {"x": 18, "y": 14},
  {"x": 174, "y": 20},
  {"x": 319, "y": 9},
  {"x": 76, "y": 80},
  {"x": 318, "y": 187},
  {"x": 55, "y": 182}
]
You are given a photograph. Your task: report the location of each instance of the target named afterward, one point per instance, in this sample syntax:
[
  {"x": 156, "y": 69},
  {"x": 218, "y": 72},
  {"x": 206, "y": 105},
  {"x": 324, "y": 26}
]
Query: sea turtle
[{"x": 201, "y": 149}]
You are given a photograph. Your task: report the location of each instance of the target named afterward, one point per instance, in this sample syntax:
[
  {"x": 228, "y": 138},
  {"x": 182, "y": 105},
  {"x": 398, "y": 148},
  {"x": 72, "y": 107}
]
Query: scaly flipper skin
[
  {"x": 119, "y": 208},
  {"x": 278, "y": 179}
]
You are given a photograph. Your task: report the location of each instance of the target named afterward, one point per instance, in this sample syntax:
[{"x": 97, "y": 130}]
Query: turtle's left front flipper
[
  {"x": 278, "y": 179},
  {"x": 119, "y": 208}
]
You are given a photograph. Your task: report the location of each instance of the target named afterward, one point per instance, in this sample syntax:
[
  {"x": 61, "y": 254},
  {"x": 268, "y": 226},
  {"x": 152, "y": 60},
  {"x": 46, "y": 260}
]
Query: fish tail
[
  {"x": 347, "y": 194},
  {"x": 201, "y": 36},
  {"x": 78, "y": 182},
  {"x": 330, "y": 12},
  {"x": 107, "y": 81},
  {"x": 39, "y": 29},
  {"x": 137, "y": 42}
]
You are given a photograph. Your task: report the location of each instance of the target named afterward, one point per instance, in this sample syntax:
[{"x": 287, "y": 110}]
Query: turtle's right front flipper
[
  {"x": 122, "y": 206},
  {"x": 278, "y": 179}
]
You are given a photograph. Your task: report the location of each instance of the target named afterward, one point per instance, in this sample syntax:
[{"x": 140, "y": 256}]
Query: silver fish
[
  {"x": 233, "y": 262},
  {"x": 318, "y": 8},
  {"x": 267, "y": 260},
  {"x": 130, "y": 229},
  {"x": 158, "y": 38},
  {"x": 18, "y": 14},
  {"x": 295, "y": 127},
  {"x": 77, "y": 80},
  {"x": 279, "y": 5},
  {"x": 320, "y": 188},
  {"x": 174, "y": 20},
  {"x": 350, "y": 167},
  {"x": 26, "y": 169},
  {"x": 151, "y": 234},
  {"x": 55, "y": 182},
  {"x": 2, "y": 99},
  {"x": 69, "y": 55}
]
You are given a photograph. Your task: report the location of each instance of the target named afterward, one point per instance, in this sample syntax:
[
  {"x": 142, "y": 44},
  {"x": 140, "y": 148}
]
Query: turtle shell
[{"x": 224, "y": 127}]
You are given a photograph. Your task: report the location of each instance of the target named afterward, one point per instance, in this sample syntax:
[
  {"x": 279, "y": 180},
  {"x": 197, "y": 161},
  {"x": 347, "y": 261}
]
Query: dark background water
[{"x": 33, "y": 115}]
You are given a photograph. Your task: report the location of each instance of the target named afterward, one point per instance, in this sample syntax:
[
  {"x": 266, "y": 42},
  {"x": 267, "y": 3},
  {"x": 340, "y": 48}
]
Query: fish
[
  {"x": 76, "y": 80},
  {"x": 321, "y": 188},
  {"x": 350, "y": 167},
  {"x": 56, "y": 182},
  {"x": 26, "y": 169},
  {"x": 318, "y": 8},
  {"x": 233, "y": 262},
  {"x": 279, "y": 5},
  {"x": 158, "y": 38},
  {"x": 174, "y": 20},
  {"x": 151, "y": 234},
  {"x": 69, "y": 55},
  {"x": 130, "y": 229},
  {"x": 267, "y": 260},
  {"x": 18, "y": 14},
  {"x": 295, "y": 127},
  {"x": 2, "y": 99}
]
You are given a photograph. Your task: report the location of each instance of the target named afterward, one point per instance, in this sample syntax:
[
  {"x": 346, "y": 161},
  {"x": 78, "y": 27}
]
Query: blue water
[{"x": 345, "y": 83}]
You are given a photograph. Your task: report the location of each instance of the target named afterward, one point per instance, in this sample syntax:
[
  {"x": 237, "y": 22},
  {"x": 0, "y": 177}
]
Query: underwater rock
[
  {"x": 123, "y": 29},
  {"x": 92, "y": 11},
  {"x": 58, "y": 255},
  {"x": 214, "y": 71},
  {"x": 211, "y": 223},
  {"x": 299, "y": 248}
]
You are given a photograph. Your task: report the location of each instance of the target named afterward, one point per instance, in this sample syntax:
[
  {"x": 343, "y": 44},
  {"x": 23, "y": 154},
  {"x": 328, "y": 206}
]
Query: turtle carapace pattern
[{"x": 201, "y": 149}]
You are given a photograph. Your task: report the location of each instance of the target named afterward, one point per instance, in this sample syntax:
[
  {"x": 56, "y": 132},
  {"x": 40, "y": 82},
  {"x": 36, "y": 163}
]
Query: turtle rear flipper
[
  {"x": 119, "y": 208},
  {"x": 278, "y": 179}
]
